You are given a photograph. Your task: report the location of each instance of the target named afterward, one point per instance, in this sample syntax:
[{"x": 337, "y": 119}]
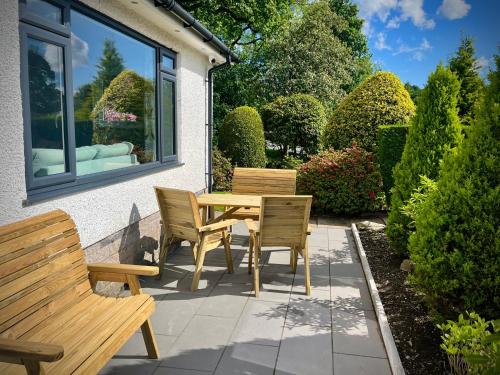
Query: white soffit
[{"x": 173, "y": 26}]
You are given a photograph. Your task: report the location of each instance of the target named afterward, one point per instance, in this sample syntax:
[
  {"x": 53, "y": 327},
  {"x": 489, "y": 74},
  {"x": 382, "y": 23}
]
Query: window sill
[{"x": 91, "y": 182}]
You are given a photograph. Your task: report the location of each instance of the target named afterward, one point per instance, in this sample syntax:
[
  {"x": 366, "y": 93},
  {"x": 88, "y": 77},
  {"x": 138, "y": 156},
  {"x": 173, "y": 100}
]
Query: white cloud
[
  {"x": 482, "y": 64},
  {"x": 414, "y": 10},
  {"x": 393, "y": 12},
  {"x": 417, "y": 52},
  {"x": 393, "y": 23},
  {"x": 54, "y": 56},
  {"x": 79, "y": 51},
  {"x": 454, "y": 9},
  {"x": 380, "y": 43}
]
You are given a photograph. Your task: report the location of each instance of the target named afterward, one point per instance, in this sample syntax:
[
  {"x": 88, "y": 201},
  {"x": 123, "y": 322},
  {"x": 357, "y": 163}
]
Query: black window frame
[{"x": 43, "y": 188}]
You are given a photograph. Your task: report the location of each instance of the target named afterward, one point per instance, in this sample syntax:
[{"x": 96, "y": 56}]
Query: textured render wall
[{"x": 104, "y": 211}]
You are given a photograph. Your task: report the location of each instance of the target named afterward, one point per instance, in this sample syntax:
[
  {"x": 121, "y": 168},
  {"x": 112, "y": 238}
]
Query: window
[{"x": 99, "y": 100}]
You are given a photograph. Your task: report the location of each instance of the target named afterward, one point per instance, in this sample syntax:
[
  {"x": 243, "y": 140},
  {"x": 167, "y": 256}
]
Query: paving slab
[
  {"x": 357, "y": 365},
  {"x": 248, "y": 359},
  {"x": 357, "y": 332},
  {"x": 201, "y": 344},
  {"x": 261, "y": 323},
  {"x": 305, "y": 350}
]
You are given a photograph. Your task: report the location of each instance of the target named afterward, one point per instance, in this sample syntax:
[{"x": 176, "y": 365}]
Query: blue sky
[{"x": 410, "y": 37}]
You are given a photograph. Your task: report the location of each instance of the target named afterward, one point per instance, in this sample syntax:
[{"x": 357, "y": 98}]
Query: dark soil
[{"x": 416, "y": 336}]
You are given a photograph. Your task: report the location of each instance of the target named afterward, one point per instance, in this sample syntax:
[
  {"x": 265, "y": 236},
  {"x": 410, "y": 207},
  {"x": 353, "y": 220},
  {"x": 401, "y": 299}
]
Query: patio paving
[{"x": 223, "y": 329}]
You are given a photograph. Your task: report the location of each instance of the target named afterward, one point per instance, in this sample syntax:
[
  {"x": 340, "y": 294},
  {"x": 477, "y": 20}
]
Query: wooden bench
[
  {"x": 261, "y": 181},
  {"x": 51, "y": 321}
]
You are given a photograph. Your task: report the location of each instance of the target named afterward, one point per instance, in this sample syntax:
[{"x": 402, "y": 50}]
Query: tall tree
[
  {"x": 309, "y": 58},
  {"x": 241, "y": 22},
  {"x": 435, "y": 129},
  {"x": 110, "y": 65},
  {"x": 465, "y": 65}
]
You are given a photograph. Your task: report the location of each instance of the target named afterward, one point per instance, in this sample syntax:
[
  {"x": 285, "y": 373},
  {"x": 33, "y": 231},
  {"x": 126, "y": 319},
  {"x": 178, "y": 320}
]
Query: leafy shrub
[
  {"x": 380, "y": 100},
  {"x": 413, "y": 207},
  {"x": 456, "y": 246},
  {"x": 241, "y": 138},
  {"x": 222, "y": 171},
  {"x": 391, "y": 142},
  {"x": 470, "y": 346},
  {"x": 434, "y": 131},
  {"x": 276, "y": 161},
  {"x": 342, "y": 182},
  {"x": 294, "y": 123}
]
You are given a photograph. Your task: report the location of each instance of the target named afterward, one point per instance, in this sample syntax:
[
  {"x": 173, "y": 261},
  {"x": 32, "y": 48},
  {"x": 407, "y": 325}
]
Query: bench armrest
[
  {"x": 218, "y": 225},
  {"x": 123, "y": 269},
  {"x": 16, "y": 351},
  {"x": 252, "y": 227}
]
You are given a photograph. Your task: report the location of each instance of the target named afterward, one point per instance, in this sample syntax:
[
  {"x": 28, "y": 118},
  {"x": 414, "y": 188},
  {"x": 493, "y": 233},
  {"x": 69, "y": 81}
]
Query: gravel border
[{"x": 385, "y": 329}]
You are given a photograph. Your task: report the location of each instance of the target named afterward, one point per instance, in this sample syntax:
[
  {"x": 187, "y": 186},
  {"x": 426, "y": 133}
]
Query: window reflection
[
  {"x": 46, "y": 95},
  {"x": 114, "y": 97}
]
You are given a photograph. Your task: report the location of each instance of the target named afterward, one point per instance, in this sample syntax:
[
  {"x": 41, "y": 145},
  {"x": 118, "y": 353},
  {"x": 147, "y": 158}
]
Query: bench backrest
[
  {"x": 179, "y": 212},
  {"x": 260, "y": 181},
  {"x": 284, "y": 220},
  {"x": 42, "y": 270}
]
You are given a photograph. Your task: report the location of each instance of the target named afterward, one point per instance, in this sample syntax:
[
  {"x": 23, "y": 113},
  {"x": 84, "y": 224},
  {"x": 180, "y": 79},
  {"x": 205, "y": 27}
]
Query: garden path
[{"x": 223, "y": 329}]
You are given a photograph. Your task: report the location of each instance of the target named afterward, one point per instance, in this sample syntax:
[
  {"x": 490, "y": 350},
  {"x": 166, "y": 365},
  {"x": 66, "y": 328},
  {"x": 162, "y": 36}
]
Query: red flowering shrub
[{"x": 342, "y": 182}]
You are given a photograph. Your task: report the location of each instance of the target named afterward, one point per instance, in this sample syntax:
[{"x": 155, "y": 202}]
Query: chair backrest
[
  {"x": 260, "y": 181},
  {"x": 42, "y": 271},
  {"x": 284, "y": 220},
  {"x": 179, "y": 212}
]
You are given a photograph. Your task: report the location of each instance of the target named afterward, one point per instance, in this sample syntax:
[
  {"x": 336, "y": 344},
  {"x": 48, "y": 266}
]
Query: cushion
[
  {"x": 85, "y": 153},
  {"x": 117, "y": 149},
  {"x": 48, "y": 156}
]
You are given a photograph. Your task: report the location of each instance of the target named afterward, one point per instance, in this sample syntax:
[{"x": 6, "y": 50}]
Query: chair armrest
[
  {"x": 123, "y": 269},
  {"x": 218, "y": 225},
  {"x": 252, "y": 227},
  {"x": 15, "y": 351},
  {"x": 309, "y": 230}
]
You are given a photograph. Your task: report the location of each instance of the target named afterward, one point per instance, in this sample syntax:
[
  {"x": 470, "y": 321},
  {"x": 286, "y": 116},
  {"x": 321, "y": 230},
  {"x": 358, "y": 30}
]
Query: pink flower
[{"x": 111, "y": 115}]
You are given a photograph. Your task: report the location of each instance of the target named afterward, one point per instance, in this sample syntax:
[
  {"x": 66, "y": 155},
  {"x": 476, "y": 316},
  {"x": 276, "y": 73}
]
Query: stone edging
[{"x": 385, "y": 329}]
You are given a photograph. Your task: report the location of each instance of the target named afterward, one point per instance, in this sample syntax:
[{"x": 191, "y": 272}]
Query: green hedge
[
  {"x": 241, "y": 138},
  {"x": 391, "y": 143}
]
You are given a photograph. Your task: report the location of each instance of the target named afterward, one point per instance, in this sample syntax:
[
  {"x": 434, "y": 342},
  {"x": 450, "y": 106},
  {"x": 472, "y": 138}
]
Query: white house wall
[{"x": 103, "y": 211}]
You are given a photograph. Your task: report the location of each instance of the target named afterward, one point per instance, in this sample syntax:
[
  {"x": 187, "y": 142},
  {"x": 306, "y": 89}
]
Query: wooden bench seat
[
  {"x": 261, "y": 181},
  {"x": 47, "y": 299}
]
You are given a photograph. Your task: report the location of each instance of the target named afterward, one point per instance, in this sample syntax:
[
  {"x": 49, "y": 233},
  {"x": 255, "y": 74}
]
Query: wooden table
[{"x": 233, "y": 201}]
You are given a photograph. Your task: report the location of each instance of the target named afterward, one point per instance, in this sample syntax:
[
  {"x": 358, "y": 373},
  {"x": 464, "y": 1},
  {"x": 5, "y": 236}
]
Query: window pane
[
  {"x": 168, "y": 117},
  {"x": 45, "y": 10},
  {"x": 114, "y": 97},
  {"x": 167, "y": 62},
  {"x": 46, "y": 96}
]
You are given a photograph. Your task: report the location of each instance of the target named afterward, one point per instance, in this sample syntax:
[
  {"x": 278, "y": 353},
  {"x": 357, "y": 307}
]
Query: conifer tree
[
  {"x": 465, "y": 65},
  {"x": 434, "y": 131},
  {"x": 456, "y": 246}
]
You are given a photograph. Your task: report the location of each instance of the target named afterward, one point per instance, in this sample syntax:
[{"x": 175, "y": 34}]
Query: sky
[{"x": 411, "y": 37}]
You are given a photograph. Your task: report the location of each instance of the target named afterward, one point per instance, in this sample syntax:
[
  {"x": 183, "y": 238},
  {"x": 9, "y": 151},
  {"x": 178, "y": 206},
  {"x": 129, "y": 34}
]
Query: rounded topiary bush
[
  {"x": 342, "y": 182},
  {"x": 434, "y": 131},
  {"x": 456, "y": 246},
  {"x": 241, "y": 138},
  {"x": 294, "y": 123},
  {"x": 380, "y": 100}
]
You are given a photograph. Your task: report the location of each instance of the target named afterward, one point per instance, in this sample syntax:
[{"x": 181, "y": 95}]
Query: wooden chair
[
  {"x": 51, "y": 321},
  {"x": 181, "y": 219},
  {"x": 284, "y": 221},
  {"x": 260, "y": 181}
]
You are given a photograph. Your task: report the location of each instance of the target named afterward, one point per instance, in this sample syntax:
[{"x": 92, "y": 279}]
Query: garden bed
[{"x": 416, "y": 336}]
